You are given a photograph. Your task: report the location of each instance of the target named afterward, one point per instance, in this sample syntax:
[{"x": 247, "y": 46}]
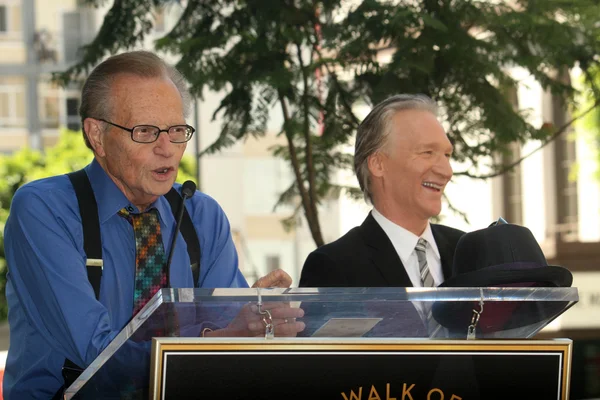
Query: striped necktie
[
  {"x": 427, "y": 280},
  {"x": 150, "y": 260}
]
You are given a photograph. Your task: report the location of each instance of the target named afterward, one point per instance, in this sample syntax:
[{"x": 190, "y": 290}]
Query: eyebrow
[{"x": 434, "y": 146}]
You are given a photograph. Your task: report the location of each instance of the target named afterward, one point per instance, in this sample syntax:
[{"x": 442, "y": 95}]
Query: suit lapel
[
  {"x": 383, "y": 254},
  {"x": 445, "y": 249}
]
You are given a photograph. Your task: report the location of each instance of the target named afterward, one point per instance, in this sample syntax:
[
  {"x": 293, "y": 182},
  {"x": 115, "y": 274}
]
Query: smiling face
[
  {"x": 409, "y": 175},
  {"x": 143, "y": 171}
]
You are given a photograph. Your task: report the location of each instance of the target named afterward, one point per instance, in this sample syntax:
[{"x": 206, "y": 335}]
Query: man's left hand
[{"x": 277, "y": 278}]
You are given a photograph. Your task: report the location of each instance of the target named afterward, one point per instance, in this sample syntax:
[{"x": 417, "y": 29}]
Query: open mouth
[
  {"x": 163, "y": 171},
  {"x": 433, "y": 186}
]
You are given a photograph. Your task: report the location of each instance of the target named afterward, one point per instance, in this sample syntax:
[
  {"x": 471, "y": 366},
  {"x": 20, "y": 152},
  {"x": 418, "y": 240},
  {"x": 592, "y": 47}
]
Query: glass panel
[{"x": 122, "y": 370}]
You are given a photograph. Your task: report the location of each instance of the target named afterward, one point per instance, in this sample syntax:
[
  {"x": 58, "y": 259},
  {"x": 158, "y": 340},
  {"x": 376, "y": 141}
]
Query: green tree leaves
[{"x": 313, "y": 61}]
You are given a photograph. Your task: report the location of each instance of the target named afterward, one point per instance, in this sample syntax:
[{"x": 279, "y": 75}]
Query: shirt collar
[
  {"x": 110, "y": 198},
  {"x": 403, "y": 240}
]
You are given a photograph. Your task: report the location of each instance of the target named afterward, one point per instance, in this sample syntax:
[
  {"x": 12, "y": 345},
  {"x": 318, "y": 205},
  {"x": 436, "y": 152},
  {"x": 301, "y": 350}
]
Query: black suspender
[
  {"x": 92, "y": 244},
  {"x": 188, "y": 231},
  {"x": 91, "y": 228},
  {"x": 88, "y": 209}
]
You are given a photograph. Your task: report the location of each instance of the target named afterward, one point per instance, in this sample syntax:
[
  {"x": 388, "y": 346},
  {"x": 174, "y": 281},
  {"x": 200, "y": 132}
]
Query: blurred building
[{"x": 36, "y": 38}]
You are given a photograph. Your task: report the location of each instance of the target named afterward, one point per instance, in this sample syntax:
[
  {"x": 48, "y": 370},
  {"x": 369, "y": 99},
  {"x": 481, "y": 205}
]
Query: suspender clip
[{"x": 94, "y": 262}]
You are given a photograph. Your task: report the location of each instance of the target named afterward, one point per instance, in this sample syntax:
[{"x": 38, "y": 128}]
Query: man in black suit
[{"x": 402, "y": 161}]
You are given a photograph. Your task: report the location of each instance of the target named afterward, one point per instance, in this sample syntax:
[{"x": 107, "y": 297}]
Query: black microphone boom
[{"x": 187, "y": 190}]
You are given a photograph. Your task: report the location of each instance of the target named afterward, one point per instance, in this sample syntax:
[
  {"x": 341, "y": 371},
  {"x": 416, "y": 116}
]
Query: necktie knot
[
  {"x": 125, "y": 214},
  {"x": 421, "y": 245}
]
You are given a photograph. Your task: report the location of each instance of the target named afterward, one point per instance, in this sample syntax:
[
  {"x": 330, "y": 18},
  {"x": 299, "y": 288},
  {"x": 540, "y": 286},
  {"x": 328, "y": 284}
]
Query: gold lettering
[
  {"x": 455, "y": 397},
  {"x": 353, "y": 395},
  {"x": 435, "y": 390},
  {"x": 374, "y": 392},
  {"x": 406, "y": 392},
  {"x": 387, "y": 392}
]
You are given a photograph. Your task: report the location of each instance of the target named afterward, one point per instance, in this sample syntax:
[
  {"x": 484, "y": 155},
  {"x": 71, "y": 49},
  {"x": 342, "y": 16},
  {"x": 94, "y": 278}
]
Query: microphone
[{"x": 187, "y": 190}]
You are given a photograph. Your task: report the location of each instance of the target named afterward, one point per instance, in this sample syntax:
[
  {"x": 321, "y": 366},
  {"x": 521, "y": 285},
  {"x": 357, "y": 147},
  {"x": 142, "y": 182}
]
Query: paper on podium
[{"x": 346, "y": 327}]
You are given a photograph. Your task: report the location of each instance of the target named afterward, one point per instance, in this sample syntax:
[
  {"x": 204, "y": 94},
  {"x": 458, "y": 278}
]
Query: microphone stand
[{"x": 187, "y": 190}]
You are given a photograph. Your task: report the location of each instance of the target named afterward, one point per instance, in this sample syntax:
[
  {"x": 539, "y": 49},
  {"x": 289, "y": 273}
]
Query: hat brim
[
  {"x": 502, "y": 275},
  {"x": 505, "y": 315}
]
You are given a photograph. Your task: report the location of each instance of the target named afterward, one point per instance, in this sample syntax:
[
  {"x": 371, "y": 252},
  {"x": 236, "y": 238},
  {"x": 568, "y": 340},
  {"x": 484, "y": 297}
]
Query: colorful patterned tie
[
  {"x": 427, "y": 280},
  {"x": 150, "y": 274}
]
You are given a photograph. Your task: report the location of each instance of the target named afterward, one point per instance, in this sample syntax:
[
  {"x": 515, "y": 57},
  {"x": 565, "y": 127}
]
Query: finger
[
  {"x": 279, "y": 310},
  {"x": 286, "y": 312},
  {"x": 270, "y": 305},
  {"x": 277, "y": 278},
  {"x": 287, "y": 324},
  {"x": 289, "y": 329}
]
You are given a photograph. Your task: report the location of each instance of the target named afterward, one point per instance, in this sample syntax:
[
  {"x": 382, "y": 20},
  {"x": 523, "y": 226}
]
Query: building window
[
  {"x": 73, "y": 120},
  {"x": 12, "y": 104},
  {"x": 273, "y": 263},
  {"x": 564, "y": 158},
  {"x": 511, "y": 180},
  {"x": 49, "y": 111},
  {"x": 79, "y": 29},
  {"x": 3, "y": 19}
]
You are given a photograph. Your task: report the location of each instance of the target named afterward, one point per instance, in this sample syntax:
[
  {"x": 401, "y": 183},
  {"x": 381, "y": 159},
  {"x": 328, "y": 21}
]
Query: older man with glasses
[{"x": 133, "y": 110}]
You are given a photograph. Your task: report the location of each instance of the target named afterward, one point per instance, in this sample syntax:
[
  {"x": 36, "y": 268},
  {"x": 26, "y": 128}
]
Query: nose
[
  {"x": 443, "y": 168},
  {"x": 163, "y": 145}
]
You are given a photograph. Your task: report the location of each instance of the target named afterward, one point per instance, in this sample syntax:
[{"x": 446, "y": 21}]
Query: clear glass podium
[{"x": 123, "y": 369}]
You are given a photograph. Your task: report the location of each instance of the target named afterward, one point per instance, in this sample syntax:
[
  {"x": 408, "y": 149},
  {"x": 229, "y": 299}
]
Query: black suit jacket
[{"x": 365, "y": 257}]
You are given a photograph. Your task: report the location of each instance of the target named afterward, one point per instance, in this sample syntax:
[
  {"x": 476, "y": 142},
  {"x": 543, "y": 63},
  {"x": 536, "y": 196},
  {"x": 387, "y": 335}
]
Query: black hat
[{"x": 500, "y": 255}]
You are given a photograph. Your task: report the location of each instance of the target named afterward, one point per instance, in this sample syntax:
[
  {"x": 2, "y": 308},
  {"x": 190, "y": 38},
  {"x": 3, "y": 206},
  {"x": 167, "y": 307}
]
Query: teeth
[{"x": 432, "y": 185}]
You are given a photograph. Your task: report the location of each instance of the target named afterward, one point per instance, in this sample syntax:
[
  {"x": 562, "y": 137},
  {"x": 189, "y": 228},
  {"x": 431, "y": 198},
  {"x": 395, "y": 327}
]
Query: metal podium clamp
[
  {"x": 266, "y": 317},
  {"x": 475, "y": 318}
]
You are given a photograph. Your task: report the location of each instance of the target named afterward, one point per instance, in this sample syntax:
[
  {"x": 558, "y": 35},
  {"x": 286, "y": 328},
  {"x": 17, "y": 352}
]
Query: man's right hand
[{"x": 250, "y": 323}]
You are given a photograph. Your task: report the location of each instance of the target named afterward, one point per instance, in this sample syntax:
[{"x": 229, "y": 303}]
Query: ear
[
  {"x": 94, "y": 134},
  {"x": 376, "y": 164}
]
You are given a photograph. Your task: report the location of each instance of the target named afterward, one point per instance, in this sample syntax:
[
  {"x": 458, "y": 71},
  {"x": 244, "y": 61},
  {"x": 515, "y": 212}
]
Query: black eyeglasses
[{"x": 149, "y": 133}]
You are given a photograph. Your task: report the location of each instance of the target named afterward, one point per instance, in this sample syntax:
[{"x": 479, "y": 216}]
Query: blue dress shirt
[{"x": 53, "y": 312}]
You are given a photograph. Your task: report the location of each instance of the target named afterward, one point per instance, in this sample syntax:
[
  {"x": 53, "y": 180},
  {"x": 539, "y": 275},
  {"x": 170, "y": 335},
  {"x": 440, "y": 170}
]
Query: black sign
[{"x": 362, "y": 370}]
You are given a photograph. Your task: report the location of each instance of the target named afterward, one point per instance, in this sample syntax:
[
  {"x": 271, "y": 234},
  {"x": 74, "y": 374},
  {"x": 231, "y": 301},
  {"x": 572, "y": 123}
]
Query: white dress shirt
[{"x": 404, "y": 242}]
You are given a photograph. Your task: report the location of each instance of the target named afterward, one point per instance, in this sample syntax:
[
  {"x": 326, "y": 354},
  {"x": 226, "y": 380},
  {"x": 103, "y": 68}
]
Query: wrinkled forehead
[
  {"x": 145, "y": 100},
  {"x": 417, "y": 127}
]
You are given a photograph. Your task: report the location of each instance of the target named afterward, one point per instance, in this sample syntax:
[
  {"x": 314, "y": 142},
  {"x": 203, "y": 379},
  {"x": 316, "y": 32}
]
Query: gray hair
[
  {"x": 373, "y": 132},
  {"x": 96, "y": 97}
]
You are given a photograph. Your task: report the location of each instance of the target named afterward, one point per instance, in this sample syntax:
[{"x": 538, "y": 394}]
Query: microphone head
[{"x": 188, "y": 188}]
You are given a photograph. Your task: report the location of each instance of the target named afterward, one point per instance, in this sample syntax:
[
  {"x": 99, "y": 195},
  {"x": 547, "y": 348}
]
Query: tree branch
[
  {"x": 455, "y": 210},
  {"x": 308, "y": 157},
  {"x": 312, "y": 222},
  {"x": 552, "y": 138},
  {"x": 333, "y": 76}
]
